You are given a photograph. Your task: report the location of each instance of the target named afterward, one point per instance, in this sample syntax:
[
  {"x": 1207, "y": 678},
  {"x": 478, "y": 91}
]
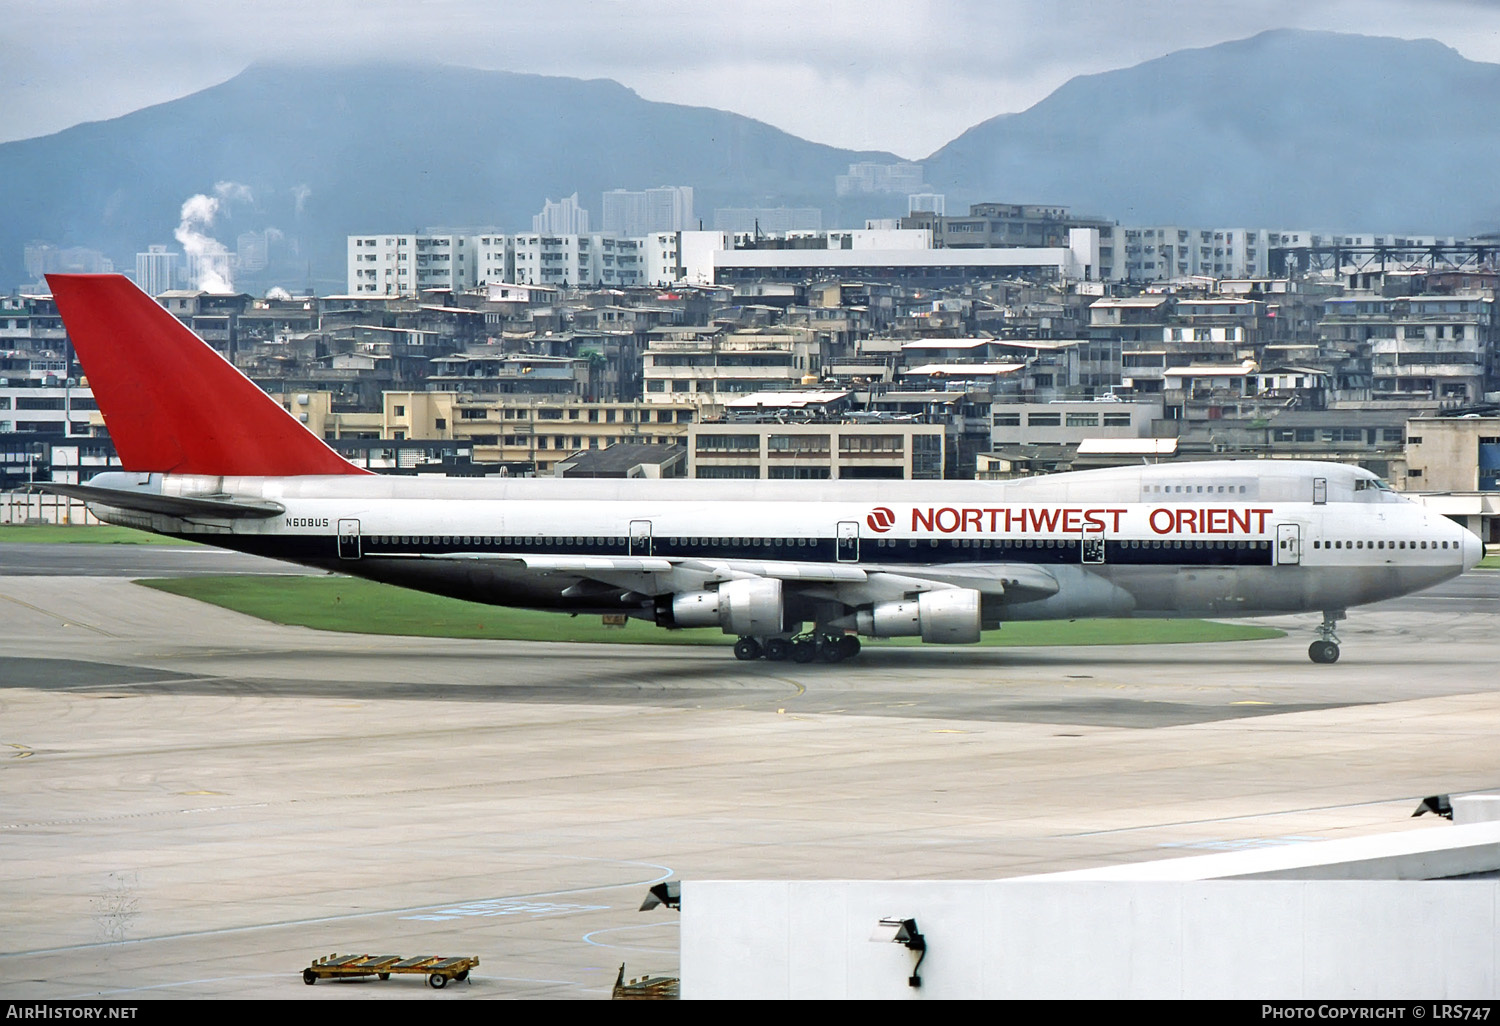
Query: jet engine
[
  {"x": 747, "y": 607},
  {"x": 947, "y": 617}
]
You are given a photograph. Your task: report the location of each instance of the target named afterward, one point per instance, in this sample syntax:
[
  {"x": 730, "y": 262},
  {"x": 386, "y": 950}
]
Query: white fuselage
[{"x": 1210, "y": 538}]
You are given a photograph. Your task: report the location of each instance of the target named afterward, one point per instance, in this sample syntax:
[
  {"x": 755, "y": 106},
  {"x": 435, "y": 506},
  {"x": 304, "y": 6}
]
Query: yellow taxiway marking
[{"x": 1249, "y": 701}]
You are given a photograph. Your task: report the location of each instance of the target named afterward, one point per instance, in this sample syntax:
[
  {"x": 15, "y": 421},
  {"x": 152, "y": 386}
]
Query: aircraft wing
[{"x": 853, "y": 585}]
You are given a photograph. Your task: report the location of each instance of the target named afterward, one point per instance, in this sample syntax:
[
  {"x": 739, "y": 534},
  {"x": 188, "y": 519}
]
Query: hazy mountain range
[{"x": 1287, "y": 129}]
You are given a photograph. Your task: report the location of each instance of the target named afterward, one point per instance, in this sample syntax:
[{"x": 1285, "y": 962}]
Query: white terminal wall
[
  {"x": 1040, "y": 938},
  {"x": 1355, "y": 918}
]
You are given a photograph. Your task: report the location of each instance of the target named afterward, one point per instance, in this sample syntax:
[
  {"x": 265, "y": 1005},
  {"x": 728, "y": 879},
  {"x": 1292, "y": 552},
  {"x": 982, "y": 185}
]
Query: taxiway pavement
[{"x": 194, "y": 803}]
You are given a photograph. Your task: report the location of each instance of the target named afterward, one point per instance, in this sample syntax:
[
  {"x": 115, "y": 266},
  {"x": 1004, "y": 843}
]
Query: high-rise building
[
  {"x": 44, "y": 258},
  {"x": 930, "y": 202},
  {"x": 253, "y": 251},
  {"x": 665, "y": 209},
  {"x": 156, "y": 270},
  {"x": 565, "y": 217},
  {"x": 868, "y": 178}
]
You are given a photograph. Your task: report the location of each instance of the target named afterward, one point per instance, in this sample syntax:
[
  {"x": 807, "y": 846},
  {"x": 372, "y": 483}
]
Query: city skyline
[{"x": 900, "y": 77}]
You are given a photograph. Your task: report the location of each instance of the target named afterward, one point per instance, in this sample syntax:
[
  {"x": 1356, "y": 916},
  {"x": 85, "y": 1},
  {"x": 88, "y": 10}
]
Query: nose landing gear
[{"x": 1326, "y": 648}]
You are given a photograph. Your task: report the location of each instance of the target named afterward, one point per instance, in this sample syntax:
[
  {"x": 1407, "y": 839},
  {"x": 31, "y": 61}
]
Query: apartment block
[
  {"x": 397, "y": 265},
  {"x": 55, "y": 409},
  {"x": 1425, "y": 346},
  {"x": 816, "y": 451},
  {"x": 682, "y": 367},
  {"x": 1168, "y": 252},
  {"x": 1069, "y": 423},
  {"x": 1001, "y": 225},
  {"x": 536, "y": 429},
  {"x": 1453, "y": 454},
  {"x": 578, "y": 260}
]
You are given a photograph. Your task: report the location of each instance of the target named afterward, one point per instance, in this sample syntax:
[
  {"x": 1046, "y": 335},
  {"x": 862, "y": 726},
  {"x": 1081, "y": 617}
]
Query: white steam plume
[{"x": 207, "y": 257}]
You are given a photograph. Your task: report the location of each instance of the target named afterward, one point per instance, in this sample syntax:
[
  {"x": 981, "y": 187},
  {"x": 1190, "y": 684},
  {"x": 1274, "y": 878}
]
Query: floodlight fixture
[
  {"x": 668, "y": 893},
  {"x": 1435, "y": 803},
  {"x": 899, "y": 930}
]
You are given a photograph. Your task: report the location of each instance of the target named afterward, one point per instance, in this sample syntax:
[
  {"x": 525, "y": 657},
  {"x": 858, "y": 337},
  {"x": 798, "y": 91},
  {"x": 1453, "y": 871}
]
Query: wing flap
[
  {"x": 581, "y": 565},
  {"x": 1017, "y": 582}
]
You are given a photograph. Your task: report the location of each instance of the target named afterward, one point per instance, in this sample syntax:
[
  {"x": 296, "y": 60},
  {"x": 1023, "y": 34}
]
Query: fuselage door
[
  {"x": 348, "y": 539},
  {"x": 1093, "y": 547},
  {"x": 848, "y": 541},
  {"x": 1288, "y": 544},
  {"x": 640, "y": 537},
  {"x": 1320, "y": 491}
]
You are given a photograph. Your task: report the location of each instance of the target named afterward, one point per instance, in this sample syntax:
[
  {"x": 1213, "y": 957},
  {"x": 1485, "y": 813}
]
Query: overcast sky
[{"x": 899, "y": 75}]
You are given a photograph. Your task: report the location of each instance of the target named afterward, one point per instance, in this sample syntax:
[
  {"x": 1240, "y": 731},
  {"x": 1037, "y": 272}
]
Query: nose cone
[{"x": 1473, "y": 550}]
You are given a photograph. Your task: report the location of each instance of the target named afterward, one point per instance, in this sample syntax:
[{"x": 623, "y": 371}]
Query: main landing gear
[
  {"x": 1326, "y": 648},
  {"x": 803, "y": 648}
]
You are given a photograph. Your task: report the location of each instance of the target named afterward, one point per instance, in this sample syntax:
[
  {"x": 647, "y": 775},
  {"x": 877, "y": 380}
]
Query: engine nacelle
[
  {"x": 747, "y": 607},
  {"x": 947, "y": 617}
]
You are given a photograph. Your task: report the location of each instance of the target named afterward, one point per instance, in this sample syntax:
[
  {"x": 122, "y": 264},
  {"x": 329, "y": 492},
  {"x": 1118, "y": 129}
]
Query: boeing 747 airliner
[{"x": 795, "y": 570}]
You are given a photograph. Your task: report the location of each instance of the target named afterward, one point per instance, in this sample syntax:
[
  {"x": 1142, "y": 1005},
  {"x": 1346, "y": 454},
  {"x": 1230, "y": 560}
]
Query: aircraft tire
[
  {"x": 804, "y": 652},
  {"x": 778, "y": 650},
  {"x": 830, "y": 651},
  {"x": 747, "y": 649},
  {"x": 848, "y": 646},
  {"x": 1323, "y": 652}
]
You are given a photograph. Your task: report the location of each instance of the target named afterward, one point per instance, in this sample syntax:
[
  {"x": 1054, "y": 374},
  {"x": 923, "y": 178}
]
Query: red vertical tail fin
[{"x": 172, "y": 404}]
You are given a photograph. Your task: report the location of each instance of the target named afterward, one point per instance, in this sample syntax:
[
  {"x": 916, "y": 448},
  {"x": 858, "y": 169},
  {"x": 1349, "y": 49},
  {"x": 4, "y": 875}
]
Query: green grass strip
[
  {"x": 1491, "y": 562},
  {"x": 86, "y": 534},
  {"x": 333, "y": 603}
]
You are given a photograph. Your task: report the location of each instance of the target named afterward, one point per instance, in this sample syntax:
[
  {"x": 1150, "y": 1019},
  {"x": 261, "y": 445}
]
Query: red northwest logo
[{"x": 881, "y": 520}]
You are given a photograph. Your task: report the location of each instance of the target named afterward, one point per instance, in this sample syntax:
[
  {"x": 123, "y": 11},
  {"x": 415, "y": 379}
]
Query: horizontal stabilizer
[{"x": 170, "y": 505}]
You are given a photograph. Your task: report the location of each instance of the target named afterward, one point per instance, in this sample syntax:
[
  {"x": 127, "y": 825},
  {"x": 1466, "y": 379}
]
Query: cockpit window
[{"x": 1374, "y": 490}]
